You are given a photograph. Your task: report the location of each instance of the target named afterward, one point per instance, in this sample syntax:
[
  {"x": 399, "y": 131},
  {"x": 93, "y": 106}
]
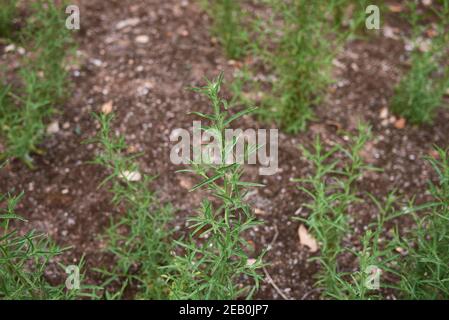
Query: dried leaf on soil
[
  {"x": 400, "y": 123},
  {"x": 107, "y": 107},
  {"x": 306, "y": 239}
]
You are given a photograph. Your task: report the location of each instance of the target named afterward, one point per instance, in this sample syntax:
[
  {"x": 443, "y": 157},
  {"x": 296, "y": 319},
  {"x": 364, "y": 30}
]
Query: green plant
[
  {"x": 299, "y": 45},
  {"x": 351, "y": 15},
  {"x": 417, "y": 260},
  {"x": 425, "y": 269},
  {"x": 44, "y": 80},
  {"x": 376, "y": 258},
  {"x": 331, "y": 191},
  {"x": 52, "y": 41},
  {"x": 227, "y": 26},
  {"x": 421, "y": 91},
  {"x": 21, "y": 122},
  {"x": 18, "y": 280},
  {"x": 7, "y": 14},
  {"x": 24, "y": 259},
  {"x": 214, "y": 257},
  {"x": 139, "y": 239}
]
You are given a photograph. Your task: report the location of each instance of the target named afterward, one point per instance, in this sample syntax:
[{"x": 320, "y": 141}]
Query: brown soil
[{"x": 147, "y": 81}]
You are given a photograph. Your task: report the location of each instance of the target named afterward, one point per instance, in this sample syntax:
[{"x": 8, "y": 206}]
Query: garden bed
[{"x": 146, "y": 80}]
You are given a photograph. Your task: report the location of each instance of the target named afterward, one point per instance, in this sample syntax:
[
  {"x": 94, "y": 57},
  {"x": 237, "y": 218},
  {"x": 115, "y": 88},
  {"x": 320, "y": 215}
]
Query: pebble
[
  {"x": 53, "y": 127},
  {"x": 384, "y": 113},
  {"x": 131, "y": 175},
  {"x": 70, "y": 221},
  {"x": 96, "y": 62},
  {"x": 126, "y": 23},
  {"x": 142, "y": 39},
  {"x": 10, "y": 48}
]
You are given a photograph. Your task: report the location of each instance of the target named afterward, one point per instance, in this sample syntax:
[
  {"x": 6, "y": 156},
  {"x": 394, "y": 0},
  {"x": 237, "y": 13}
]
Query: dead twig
[{"x": 267, "y": 275}]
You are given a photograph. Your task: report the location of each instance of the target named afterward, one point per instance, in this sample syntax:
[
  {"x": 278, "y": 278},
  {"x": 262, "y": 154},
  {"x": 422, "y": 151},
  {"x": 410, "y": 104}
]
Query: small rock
[
  {"x": 390, "y": 32},
  {"x": 126, "y": 23},
  {"x": 392, "y": 119},
  {"x": 185, "y": 183},
  {"x": 145, "y": 88},
  {"x": 131, "y": 175},
  {"x": 10, "y": 48},
  {"x": 142, "y": 39},
  {"x": 96, "y": 62},
  {"x": 250, "y": 262},
  {"x": 53, "y": 127},
  {"x": 170, "y": 115},
  {"x": 384, "y": 113},
  {"x": 338, "y": 64},
  {"x": 183, "y": 32}
]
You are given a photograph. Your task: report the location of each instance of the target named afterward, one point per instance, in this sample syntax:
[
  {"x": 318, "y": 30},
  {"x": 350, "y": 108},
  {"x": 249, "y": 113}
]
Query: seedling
[
  {"x": 421, "y": 91},
  {"x": 332, "y": 191},
  {"x": 24, "y": 110},
  {"x": 215, "y": 254},
  {"x": 227, "y": 26},
  {"x": 139, "y": 240}
]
